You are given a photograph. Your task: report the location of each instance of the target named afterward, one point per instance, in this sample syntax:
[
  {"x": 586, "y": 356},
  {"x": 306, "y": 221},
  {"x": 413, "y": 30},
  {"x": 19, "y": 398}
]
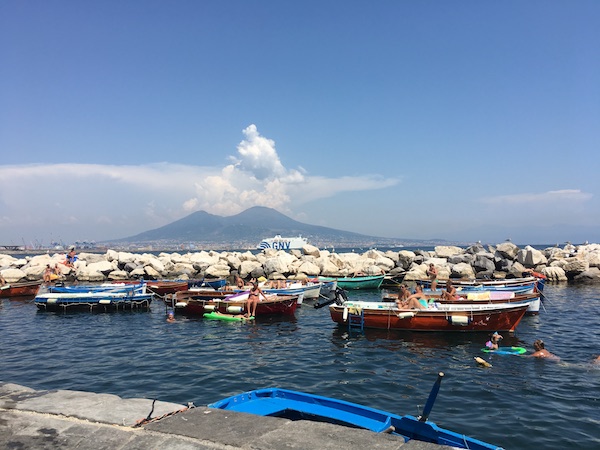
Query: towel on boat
[
  {"x": 478, "y": 295},
  {"x": 501, "y": 295}
]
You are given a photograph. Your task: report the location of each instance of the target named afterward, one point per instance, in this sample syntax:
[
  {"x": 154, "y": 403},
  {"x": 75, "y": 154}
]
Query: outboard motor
[{"x": 340, "y": 296}]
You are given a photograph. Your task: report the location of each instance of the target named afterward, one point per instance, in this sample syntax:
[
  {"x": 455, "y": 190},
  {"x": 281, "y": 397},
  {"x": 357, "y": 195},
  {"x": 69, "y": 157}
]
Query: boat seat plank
[{"x": 274, "y": 406}]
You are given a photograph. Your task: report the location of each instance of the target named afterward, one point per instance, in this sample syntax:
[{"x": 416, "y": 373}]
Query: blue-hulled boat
[
  {"x": 295, "y": 405},
  {"x": 138, "y": 288},
  {"x": 102, "y": 301},
  {"x": 213, "y": 283}
]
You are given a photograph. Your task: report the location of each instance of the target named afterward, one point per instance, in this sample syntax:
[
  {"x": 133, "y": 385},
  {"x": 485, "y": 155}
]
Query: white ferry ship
[{"x": 282, "y": 243}]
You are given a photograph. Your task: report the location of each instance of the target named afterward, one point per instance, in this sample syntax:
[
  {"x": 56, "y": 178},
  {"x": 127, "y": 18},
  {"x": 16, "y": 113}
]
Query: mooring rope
[{"x": 150, "y": 419}]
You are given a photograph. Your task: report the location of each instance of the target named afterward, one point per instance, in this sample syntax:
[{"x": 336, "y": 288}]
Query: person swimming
[{"x": 494, "y": 342}]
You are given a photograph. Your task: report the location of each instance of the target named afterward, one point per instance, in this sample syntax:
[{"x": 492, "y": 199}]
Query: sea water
[{"x": 518, "y": 403}]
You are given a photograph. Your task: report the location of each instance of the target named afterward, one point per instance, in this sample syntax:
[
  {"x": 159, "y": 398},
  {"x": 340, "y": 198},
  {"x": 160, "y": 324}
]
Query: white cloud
[
  {"x": 564, "y": 195},
  {"x": 95, "y": 201}
]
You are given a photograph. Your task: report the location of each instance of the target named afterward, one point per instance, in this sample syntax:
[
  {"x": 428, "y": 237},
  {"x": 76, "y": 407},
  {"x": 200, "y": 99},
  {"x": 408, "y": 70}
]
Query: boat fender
[
  {"x": 482, "y": 362},
  {"x": 406, "y": 315},
  {"x": 459, "y": 320},
  {"x": 345, "y": 314},
  {"x": 234, "y": 309},
  {"x": 104, "y": 302},
  {"x": 180, "y": 305},
  {"x": 210, "y": 307},
  {"x": 52, "y": 301}
]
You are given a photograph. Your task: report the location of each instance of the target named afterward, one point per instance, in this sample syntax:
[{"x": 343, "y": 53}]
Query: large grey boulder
[
  {"x": 531, "y": 257},
  {"x": 555, "y": 273},
  {"x": 575, "y": 266},
  {"x": 248, "y": 267},
  {"x": 118, "y": 275},
  {"x": 446, "y": 251},
  {"x": 13, "y": 275},
  {"x": 483, "y": 263},
  {"x": 590, "y": 275},
  {"x": 104, "y": 267},
  {"x": 405, "y": 258},
  {"x": 507, "y": 250},
  {"x": 309, "y": 268},
  {"x": 311, "y": 250},
  {"x": 217, "y": 271},
  {"x": 462, "y": 270}
]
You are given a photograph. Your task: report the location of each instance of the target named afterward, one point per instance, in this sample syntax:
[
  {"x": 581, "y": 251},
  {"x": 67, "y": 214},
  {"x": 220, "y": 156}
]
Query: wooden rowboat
[
  {"x": 351, "y": 283},
  {"x": 102, "y": 301},
  {"x": 162, "y": 287},
  {"x": 484, "y": 297},
  {"x": 296, "y": 405},
  {"x": 189, "y": 302},
  {"x": 27, "y": 289},
  {"x": 444, "y": 317}
]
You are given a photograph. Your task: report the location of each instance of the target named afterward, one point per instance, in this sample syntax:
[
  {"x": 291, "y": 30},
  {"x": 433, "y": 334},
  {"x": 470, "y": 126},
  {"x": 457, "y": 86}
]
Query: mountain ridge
[{"x": 249, "y": 227}]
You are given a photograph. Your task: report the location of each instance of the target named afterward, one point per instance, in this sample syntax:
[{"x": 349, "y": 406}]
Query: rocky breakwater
[{"x": 505, "y": 260}]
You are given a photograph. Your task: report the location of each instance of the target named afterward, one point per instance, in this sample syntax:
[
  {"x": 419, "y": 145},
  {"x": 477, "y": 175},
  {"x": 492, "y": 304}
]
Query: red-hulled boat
[
  {"x": 27, "y": 289},
  {"x": 162, "y": 287},
  {"x": 189, "y": 302},
  {"x": 445, "y": 317}
]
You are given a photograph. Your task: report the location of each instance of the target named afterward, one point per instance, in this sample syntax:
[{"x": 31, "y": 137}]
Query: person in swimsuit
[
  {"x": 47, "y": 274},
  {"x": 254, "y": 298},
  {"x": 402, "y": 301},
  {"x": 70, "y": 258},
  {"x": 433, "y": 274},
  {"x": 541, "y": 352},
  {"x": 414, "y": 301},
  {"x": 494, "y": 342},
  {"x": 450, "y": 292}
]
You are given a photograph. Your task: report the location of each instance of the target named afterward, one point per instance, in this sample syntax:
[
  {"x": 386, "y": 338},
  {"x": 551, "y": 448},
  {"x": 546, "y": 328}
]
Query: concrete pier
[{"x": 84, "y": 420}]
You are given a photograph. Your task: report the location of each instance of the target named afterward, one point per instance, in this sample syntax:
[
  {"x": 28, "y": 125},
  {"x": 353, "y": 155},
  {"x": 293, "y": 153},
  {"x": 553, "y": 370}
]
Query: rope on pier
[{"x": 151, "y": 419}]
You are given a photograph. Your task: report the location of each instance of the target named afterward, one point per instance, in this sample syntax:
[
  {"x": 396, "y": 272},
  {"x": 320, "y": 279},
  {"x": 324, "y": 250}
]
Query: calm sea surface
[{"x": 518, "y": 403}]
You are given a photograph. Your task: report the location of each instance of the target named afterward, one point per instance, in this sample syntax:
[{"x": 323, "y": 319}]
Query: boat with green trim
[{"x": 361, "y": 282}]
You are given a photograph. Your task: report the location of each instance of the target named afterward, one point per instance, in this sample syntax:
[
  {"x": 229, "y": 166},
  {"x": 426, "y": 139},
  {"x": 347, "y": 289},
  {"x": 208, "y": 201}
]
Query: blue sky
[{"x": 462, "y": 120}]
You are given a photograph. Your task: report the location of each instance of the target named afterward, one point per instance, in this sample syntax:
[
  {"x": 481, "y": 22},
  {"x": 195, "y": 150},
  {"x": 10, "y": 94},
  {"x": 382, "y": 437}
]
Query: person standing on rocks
[{"x": 433, "y": 274}]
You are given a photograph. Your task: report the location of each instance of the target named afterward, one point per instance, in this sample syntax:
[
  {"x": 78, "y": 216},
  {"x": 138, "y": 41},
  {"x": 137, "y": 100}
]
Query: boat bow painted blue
[{"x": 296, "y": 405}]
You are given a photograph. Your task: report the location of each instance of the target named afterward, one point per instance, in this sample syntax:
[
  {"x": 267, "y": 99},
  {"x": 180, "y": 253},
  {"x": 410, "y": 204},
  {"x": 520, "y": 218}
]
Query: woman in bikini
[
  {"x": 450, "y": 292},
  {"x": 402, "y": 301},
  {"x": 418, "y": 300},
  {"x": 433, "y": 274},
  {"x": 254, "y": 298}
]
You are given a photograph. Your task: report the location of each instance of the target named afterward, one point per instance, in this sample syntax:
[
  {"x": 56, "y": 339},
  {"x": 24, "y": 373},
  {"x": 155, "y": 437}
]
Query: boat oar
[{"x": 432, "y": 396}]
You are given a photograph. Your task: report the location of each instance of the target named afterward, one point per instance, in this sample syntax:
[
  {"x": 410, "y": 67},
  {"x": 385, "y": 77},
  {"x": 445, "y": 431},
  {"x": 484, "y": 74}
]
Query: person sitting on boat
[
  {"x": 2, "y": 280},
  {"x": 254, "y": 298},
  {"x": 403, "y": 294},
  {"x": 450, "y": 292},
  {"x": 418, "y": 300},
  {"x": 47, "y": 277},
  {"x": 433, "y": 274},
  {"x": 239, "y": 282},
  {"x": 541, "y": 352},
  {"x": 494, "y": 342},
  {"x": 56, "y": 271}
]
